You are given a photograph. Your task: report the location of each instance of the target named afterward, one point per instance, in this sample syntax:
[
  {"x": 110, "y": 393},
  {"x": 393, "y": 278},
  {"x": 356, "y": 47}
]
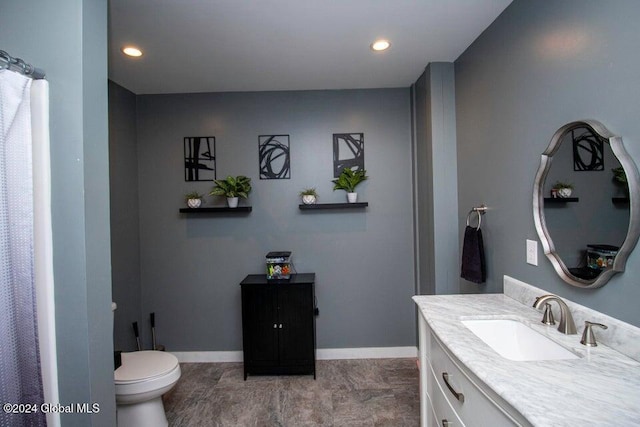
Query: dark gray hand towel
[{"x": 473, "y": 264}]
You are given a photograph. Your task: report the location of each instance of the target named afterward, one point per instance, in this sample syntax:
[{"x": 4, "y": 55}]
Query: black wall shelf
[
  {"x": 620, "y": 200},
  {"x": 239, "y": 209},
  {"x": 321, "y": 206},
  {"x": 560, "y": 200}
]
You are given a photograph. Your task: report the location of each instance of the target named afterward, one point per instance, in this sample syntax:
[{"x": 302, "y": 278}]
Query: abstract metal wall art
[
  {"x": 588, "y": 153},
  {"x": 348, "y": 152},
  {"x": 275, "y": 159},
  {"x": 199, "y": 158}
]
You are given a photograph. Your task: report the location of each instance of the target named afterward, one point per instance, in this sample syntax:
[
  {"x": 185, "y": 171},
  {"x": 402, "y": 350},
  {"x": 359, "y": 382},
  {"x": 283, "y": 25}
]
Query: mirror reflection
[
  {"x": 589, "y": 222},
  {"x": 586, "y": 203}
]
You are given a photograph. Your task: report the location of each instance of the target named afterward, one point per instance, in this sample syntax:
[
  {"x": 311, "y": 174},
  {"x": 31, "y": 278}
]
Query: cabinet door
[
  {"x": 259, "y": 325},
  {"x": 295, "y": 308}
]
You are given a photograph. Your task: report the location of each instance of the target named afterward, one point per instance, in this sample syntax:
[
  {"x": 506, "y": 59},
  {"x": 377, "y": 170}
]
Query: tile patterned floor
[{"x": 373, "y": 392}]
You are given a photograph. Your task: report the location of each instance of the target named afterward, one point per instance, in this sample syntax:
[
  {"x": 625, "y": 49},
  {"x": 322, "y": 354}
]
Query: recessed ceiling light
[
  {"x": 131, "y": 51},
  {"x": 380, "y": 45}
]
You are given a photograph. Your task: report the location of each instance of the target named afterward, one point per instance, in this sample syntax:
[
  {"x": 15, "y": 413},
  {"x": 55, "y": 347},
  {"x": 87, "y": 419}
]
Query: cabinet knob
[
  {"x": 280, "y": 326},
  {"x": 275, "y": 326},
  {"x": 446, "y": 423}
]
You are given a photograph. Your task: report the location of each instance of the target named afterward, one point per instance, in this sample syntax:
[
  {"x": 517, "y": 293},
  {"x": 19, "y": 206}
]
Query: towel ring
[{"x": 480, "y": 210}]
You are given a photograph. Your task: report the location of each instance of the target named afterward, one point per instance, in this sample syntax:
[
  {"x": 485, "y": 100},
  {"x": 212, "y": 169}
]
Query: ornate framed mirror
[{"x": 586, "y": 203}]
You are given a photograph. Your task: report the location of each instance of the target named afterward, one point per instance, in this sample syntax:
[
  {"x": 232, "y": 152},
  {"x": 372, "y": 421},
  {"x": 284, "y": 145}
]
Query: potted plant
[
  {"x": 193, "y": 199},
  {"x": 620, "y": 177},
  {"x": 563, "y": 189},
  {"x": 348, "y": 180},
  {"x": 232, "y": 188},
  {"x": 309, "y": 196}
]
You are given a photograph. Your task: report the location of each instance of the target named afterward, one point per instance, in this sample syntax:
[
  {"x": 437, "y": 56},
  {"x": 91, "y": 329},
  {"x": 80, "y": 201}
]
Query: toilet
[{"x": 140, "y": 382}]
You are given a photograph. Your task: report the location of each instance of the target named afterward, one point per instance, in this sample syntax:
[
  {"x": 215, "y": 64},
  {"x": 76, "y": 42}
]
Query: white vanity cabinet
[
  {"x": 600, "y": 387},
  {"x": 451, "y": 396}
]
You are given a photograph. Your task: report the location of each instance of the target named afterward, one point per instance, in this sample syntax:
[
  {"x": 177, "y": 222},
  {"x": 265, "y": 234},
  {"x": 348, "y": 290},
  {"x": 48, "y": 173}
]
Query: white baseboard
[
  {"x": 366, "y": 353},
  {"x": 207, "y": 356},
  {"x": 321, "y": 354}
]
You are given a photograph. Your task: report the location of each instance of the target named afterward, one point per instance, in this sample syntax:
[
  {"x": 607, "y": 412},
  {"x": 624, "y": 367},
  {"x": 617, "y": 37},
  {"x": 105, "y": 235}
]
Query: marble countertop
[{"x": 601, "y": 388}]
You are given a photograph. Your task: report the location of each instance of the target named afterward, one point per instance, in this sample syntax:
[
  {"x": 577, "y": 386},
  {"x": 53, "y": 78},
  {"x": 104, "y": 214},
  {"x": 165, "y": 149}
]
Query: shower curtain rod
[{"x": 16, "y": 64}]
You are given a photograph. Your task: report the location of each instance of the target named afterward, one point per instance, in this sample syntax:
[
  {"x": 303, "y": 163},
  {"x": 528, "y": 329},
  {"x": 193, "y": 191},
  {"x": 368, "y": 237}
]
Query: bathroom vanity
[{"x": 465, "y": 382}]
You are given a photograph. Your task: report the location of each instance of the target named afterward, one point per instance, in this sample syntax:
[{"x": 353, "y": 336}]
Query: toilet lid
[{"x": 144, "y": 365}]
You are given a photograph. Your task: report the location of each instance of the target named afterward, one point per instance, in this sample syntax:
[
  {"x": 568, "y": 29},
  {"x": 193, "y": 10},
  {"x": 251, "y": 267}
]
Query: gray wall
[
  {"x": 436, "y": 172},
  {"x": 537, "y": 67},
  {"x": 68, "y": 38},
  {"x": 191, "y": 265},
  {"x": 125, "y": 232}
]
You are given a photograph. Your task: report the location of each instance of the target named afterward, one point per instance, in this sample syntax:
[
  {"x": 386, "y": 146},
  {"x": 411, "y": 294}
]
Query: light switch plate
[{"x": 532, "y": 252}]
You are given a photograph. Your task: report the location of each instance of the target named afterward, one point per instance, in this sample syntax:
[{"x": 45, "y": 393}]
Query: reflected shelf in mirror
[
  {"x": 560, "y": 200},
  {"x": 620, "y": 200}
]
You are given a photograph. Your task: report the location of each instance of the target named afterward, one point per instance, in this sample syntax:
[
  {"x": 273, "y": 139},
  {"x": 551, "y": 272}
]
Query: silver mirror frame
[{"x": 633, "y": 179}]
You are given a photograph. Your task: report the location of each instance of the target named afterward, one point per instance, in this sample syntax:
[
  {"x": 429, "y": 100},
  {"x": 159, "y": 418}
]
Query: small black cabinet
[{"x": 278, "y": 325}]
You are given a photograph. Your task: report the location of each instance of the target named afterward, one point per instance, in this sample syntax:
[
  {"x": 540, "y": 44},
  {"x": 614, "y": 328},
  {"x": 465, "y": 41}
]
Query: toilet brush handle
[
  {"x": 136, "y": 332},
  {"x": 152, "y": 317}
]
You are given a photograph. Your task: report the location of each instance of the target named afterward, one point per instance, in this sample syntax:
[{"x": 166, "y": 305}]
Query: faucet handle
[
  {"x": 588, "y": 337},
  {"x": 547, "y": 317}
]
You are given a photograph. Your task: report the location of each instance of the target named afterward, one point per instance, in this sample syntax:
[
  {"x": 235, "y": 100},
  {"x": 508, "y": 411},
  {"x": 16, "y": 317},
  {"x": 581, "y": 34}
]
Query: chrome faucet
[{"x": 566, "y": 325}]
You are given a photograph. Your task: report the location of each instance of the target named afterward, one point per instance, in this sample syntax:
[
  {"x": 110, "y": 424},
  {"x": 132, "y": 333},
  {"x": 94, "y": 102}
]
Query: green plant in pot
[
  {"x": 232, "y": 188},
  {"x": 563, "y": 189},
  {"x": 309, "y": 196},
  {"x": 348, "y": 181},
  {"x": 193, "y": 199},
  {"x": 620, "y": 178}
]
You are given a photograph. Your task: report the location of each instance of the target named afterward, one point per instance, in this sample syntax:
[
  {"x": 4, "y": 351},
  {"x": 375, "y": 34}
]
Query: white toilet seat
[
  {"x": 144, "y": 365},
  {"x": 143, "y": 374}
]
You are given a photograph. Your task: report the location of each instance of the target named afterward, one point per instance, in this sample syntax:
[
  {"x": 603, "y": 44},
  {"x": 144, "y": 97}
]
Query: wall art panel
[
  {"x": 199, "y": 158},
  {"x": 348, "y": 152},
  {"x": 275, "y": 159}
]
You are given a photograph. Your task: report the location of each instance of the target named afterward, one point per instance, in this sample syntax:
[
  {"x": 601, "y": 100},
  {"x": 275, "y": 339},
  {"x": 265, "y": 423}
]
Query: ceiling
[{"x": 260, "y": 45}]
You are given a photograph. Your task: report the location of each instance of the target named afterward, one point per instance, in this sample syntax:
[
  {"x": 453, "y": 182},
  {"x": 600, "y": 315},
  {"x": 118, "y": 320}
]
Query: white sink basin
[{"x": 514, "y": 340}]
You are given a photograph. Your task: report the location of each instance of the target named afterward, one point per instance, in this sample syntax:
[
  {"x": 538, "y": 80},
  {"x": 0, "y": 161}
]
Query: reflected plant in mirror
[
  {"x": 621, "y": 179},
  {"x": 561, "y": 189},
  {"x": 588, "y": 234}
]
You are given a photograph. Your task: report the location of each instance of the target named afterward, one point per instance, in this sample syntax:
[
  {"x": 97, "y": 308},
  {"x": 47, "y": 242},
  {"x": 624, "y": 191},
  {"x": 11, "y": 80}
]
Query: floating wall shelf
[
  {"x": 620, "y": 200},
  {"x": 560, "y": 200},
  {"x": 239, "y": 209},
  {"x": 319, "y": 206}
]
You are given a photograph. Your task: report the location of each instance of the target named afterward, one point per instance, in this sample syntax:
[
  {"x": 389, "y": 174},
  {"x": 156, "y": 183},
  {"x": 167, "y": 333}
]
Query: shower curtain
[{"x": 20, "y": 370}]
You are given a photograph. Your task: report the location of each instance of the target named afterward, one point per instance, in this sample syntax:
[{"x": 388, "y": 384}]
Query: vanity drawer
[
  {"x": 471, "y": 404},
  {"x": 442, "y": 414}
]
